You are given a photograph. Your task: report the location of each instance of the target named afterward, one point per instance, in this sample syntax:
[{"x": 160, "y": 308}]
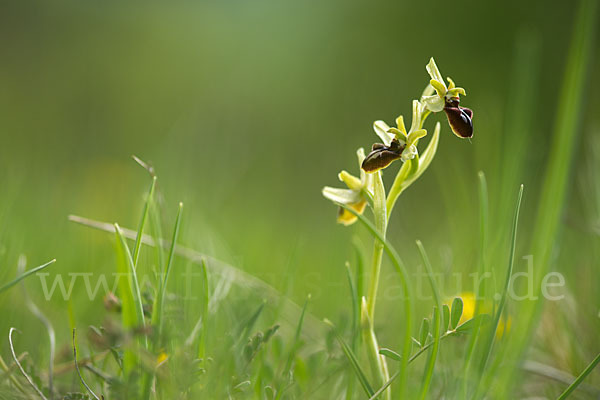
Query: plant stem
[
  {"x": 378, "y": 362},
  {"x": 380, "y": 214}
]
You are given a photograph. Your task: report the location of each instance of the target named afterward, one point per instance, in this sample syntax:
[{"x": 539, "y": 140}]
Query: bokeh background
[{"x": 247, "y": 109}]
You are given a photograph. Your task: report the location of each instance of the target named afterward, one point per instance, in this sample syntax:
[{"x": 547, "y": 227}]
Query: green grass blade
[
  {"x": 156, "y": 234},
  {"x": 205, "y": 302},
  {"x": 128, "y": 309},
  {"x": 296, "y": 341},
  {"x": 360, "y": 267},
  {"x": 138, "y": 241},
  {"x": 25, "y": 275},
  {"x": 133, "y": 286},
  {"x": 488, "y": 344},
  {"x": 437, "y": 316},
  {"x": 162, "y": 289},
  {"x": 360, "y": 374},
  {"x": 355, "y": 307},
  {"x": 356, "y": 293},
  {"x": 580, "y": 378}
]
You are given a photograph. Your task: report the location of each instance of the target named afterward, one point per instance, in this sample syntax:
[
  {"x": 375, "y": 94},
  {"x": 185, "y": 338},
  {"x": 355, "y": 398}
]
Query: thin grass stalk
[
  {"x": 437, "y": 315},
  {"x": 360, "y": 374},
  {"x": 354, "y": 325},
  {"x": 133, "y": 281},
  {"x": 27, "y": 377},
  {"x": 580, "y": 378},
  {"x": 205, "y": 309},
  {"x": 138, "y": 241},
  {"x": 489, "y": 341},
  {"x": 164, "y": 283}
]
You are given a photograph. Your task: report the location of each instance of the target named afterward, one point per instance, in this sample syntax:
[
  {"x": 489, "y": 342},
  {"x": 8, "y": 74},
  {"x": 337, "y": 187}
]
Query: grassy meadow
[{"x": 210, "y": 266}]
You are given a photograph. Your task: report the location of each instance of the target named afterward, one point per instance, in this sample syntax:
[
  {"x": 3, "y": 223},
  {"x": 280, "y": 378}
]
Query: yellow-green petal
[
  {"x": 400, "y": 124},
  {"x": 400, "y": 134},
  {"x": 451, "y": 84},
  {"x": 413, "y": 137},
  {"x": 416, "y": 116},
  {"x": 351, "y": 181},
  {"x": 439, "y": 87},
  {"x": 360, "y": 155},
  {"x": 381, "y": 129},
  {"x": 433, "y": 103},
  {"x": 456, "y": 92},
  {"x": 346, "y": 218},
  {"x": 434, "y": 72},
  {"x": 428, "y": 91},
  {"x": 343, "y": 196}
]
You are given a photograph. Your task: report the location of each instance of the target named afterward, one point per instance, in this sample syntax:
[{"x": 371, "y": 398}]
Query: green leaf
[
  {"x": 456, "y": 312},
  {"x": 479, "y": 320},
  {"x": 390, "y": 354},
  {"x": 445, "y": 318},
  {"x": 360, "y": 374},
  {"x": 424, "y": 332}
]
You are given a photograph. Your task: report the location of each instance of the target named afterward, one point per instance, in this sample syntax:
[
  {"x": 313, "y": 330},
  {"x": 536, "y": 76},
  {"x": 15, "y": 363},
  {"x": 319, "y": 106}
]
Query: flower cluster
[
  {"x": 447, "y": 99},
  {"x": 398, "y": 143}
]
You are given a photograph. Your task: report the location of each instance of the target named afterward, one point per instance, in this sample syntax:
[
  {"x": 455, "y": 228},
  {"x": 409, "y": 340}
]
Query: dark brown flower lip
[
  {"x": 459, "y": 118},
  {"x": 381, "y": 156}
]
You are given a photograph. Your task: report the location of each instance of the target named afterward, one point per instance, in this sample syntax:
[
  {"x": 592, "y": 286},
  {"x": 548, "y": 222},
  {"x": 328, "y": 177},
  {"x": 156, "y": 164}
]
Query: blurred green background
[{"x": 247, "y": 109}]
